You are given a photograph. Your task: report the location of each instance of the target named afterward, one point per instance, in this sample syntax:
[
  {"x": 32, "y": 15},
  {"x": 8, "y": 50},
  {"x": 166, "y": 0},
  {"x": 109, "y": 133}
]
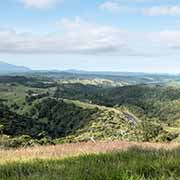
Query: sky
[{"x": 94, "y": 35}]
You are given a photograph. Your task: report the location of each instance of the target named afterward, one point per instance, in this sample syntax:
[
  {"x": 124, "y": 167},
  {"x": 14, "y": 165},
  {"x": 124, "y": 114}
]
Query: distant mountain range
[
  {"x": 6, "y": 68},
  {"x": 109, "y": 73},
  {"x": 9, "y": 68}
]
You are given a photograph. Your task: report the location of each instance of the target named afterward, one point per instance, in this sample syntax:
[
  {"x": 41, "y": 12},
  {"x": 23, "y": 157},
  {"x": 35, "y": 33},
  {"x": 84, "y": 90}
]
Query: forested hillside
[
  {"x": 152, "y": 101},
  {"x": 44, "y": 110}
]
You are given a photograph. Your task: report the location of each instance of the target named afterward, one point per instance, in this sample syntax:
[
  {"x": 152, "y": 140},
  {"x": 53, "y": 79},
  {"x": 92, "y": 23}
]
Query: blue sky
[{"x": 104, "y": 35}]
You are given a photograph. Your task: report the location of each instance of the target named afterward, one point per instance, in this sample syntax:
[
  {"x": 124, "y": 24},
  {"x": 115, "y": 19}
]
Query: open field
[{"x": 92, "y": 161}]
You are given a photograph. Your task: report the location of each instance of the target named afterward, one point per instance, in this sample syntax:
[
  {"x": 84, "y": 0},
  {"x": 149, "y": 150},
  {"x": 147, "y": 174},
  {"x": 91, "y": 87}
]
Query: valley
[
  {"x": 52, "y": 108},
  {"x": 50, "y": 122},
  {"x": 89, "y": 90}
]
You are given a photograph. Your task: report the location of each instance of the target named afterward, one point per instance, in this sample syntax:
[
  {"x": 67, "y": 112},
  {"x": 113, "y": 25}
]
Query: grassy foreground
[{"x": 133, "y": 164}]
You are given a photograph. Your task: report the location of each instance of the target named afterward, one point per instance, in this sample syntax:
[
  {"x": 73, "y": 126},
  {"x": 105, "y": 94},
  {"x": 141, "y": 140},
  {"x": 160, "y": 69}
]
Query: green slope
[{"x": 78, "y": 112}]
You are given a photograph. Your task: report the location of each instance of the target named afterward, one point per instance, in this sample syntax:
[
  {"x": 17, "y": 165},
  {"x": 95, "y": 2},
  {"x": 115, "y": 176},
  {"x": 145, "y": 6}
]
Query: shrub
[
  {"x": 167, "y": 136},
  {"x": 149, "y": 131}
]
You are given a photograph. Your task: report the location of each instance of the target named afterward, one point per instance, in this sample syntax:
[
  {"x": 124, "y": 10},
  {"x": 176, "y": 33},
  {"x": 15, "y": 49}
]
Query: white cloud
[
  {"x": 144, "y": 1},
  {"x": 162, "y": 10},
  {"x": 76, "y": 36},
  {"x": 112, "y": 6},
  {"x": 41, "y": 4},
  {"x": 120, "y": 6}
]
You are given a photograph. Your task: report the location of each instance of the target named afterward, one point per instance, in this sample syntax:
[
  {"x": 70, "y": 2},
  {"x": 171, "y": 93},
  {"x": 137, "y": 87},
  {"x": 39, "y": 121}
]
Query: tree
[{"x": 1, "y": 129}]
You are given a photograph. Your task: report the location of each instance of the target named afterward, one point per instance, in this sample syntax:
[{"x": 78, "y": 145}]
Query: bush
[
  {"x": 149, "y": 131},
  {"x": 167, "y": 137},
  {"x": 23, "y": 141}
]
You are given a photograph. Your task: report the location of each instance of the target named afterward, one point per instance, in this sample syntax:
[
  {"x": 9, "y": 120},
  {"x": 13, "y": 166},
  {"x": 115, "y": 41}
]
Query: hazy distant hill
[
  {"x": 110, "y": 73},
  {"x": 9, "y": 68}
]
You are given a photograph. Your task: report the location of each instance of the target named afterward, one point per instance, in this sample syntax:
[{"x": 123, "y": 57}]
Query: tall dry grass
[{"x": 67, "y": 150}]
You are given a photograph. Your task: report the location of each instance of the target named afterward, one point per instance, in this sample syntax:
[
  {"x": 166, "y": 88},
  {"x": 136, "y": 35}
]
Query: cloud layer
[{"x": 76, "y": 36}]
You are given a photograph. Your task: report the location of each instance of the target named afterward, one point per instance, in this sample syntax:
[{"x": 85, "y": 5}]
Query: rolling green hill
[
  {"x": 147, "y": 101},
  {"x": 36, "y": 110}
]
